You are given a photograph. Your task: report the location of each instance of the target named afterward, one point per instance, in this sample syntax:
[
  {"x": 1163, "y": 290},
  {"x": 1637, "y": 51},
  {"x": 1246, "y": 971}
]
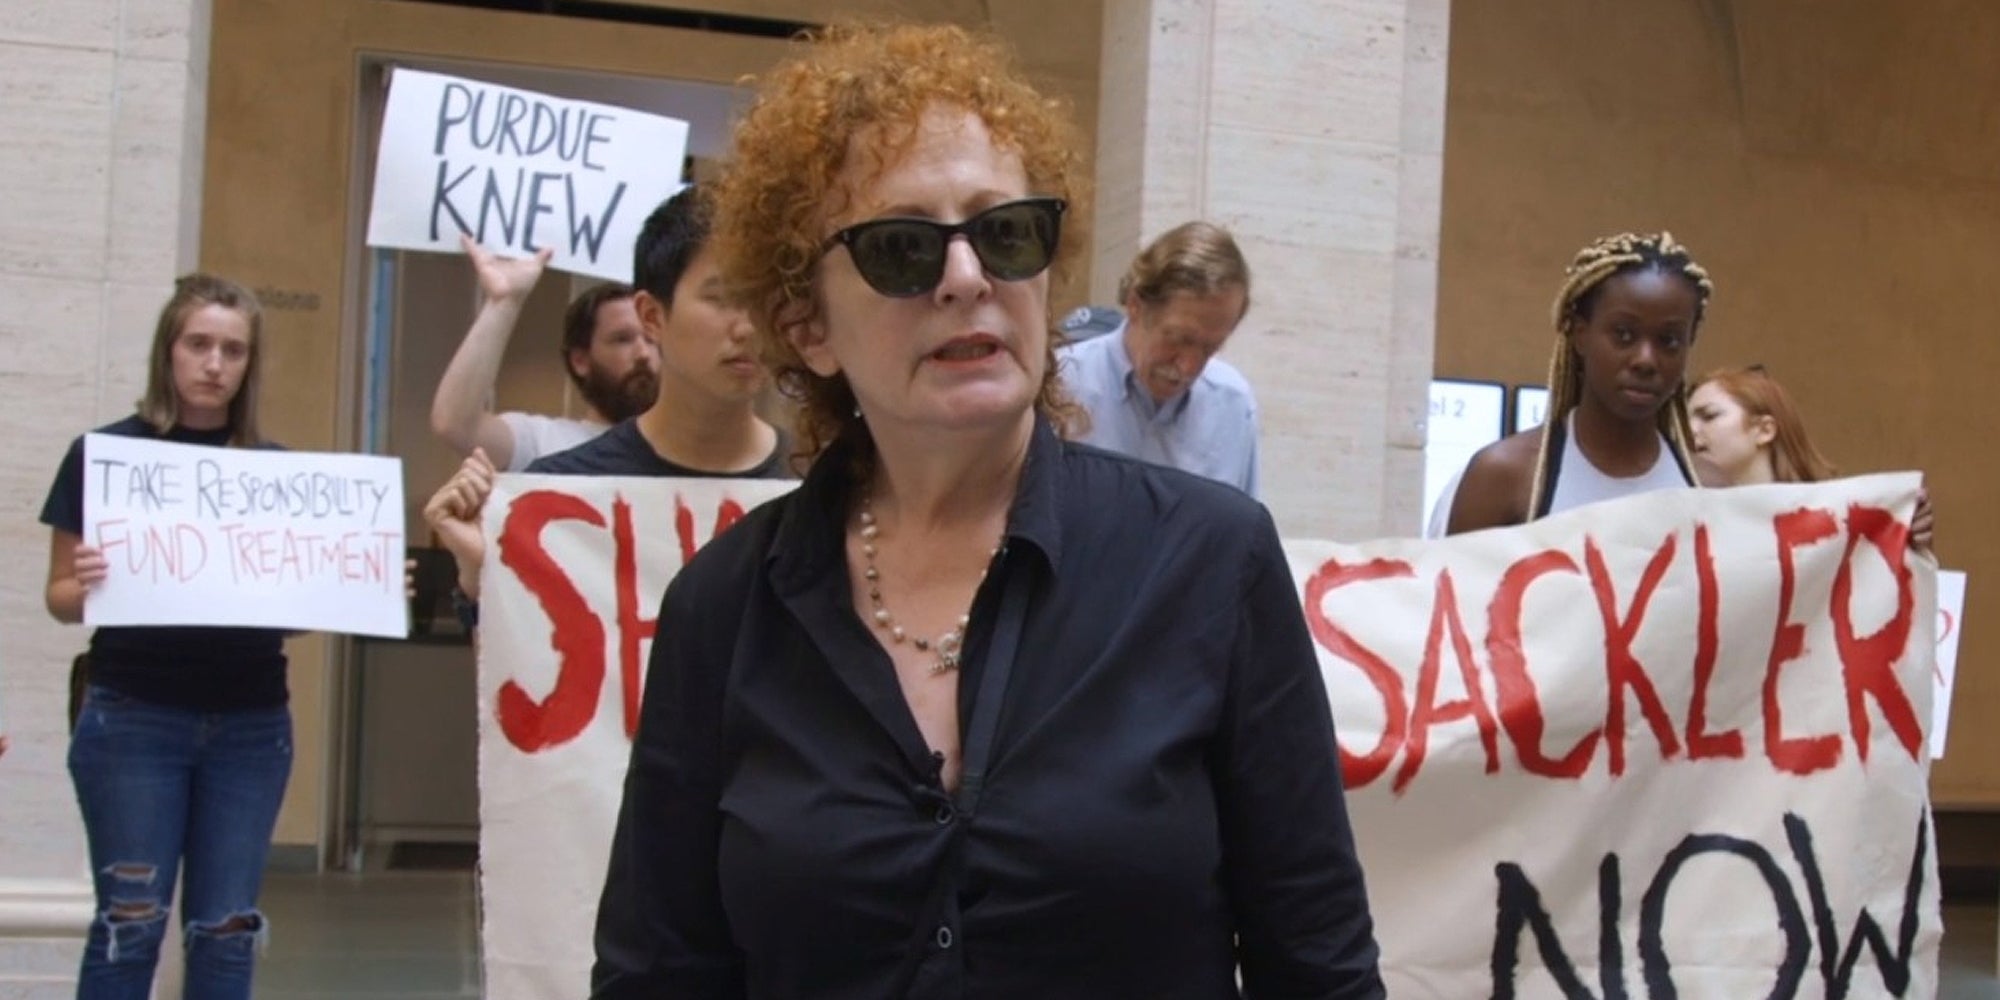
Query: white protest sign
[
  {"x": 1951, "y": 612},
  {"x": 519, "y": 171},
  {"x": 1670, "y": 745},
  {"x": 244, "y": 537},
  {"x": 1464, "y": 417}
]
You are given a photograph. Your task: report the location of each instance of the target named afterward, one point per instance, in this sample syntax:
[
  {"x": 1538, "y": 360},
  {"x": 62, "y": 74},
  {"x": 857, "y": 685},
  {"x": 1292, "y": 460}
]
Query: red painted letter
[
  {"x": 1805, "y": 754},
  {"x": 577, "y": 635},
  {"x": 1445, "y": 622},
  {"x": 1621, "y": 669},
  {"x": 1702, "y": 743},
  {"x": 1868, "y": 664},
  {"x": 1358, "y": 770},
  {"x": 632, "y": 628},
  {"x": 1520, "y": 707}
]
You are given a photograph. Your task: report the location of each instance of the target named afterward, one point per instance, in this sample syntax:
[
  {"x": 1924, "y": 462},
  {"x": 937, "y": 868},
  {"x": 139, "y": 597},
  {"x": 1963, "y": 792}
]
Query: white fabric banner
[
  {"x": 574, "y": 573},
  {"x": 1669, "y": 746},
  {"x": 244, "y": 536},
  {"x": 519, "y": 171}
]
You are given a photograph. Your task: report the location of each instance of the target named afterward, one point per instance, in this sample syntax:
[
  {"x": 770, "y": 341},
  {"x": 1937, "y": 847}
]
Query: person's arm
[
  {"x": 453, "y": 513},
  {"x": 1293, "y": 877},
  {"x": 458, "y": 411},
  {"x": 1493, "y": 490},
  {"x": 661, "y": 930},
  {"x": 74, "y": 568}
]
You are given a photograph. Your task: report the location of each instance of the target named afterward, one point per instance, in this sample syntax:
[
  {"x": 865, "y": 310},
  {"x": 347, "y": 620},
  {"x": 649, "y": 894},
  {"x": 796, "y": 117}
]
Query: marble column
[
  {"x": 102, "y": 106},
  {"x": 1313, "y": 130}
]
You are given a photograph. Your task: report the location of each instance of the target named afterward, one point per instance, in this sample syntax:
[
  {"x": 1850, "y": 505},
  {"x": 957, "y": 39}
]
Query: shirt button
[
  {"x": 945, "y": 815},
  {"x": 943, "y": 937}
]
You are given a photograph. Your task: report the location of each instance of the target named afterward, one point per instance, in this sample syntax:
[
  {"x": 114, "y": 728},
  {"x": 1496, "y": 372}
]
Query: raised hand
[{"x": 504, "y": 278}]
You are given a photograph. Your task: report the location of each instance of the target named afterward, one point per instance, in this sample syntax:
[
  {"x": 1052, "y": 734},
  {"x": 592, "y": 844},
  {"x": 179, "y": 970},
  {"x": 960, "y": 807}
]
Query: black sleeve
[
  {"x": 1294, "y": 880},
  {"x": 63, "y": 510},
  {"x": 661, "y": 931}
]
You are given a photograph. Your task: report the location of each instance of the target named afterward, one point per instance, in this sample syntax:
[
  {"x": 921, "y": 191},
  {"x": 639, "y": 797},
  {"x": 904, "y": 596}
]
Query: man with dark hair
[
  {"x": 605, "y": 350},
  {"x": 704, "y": 422}
]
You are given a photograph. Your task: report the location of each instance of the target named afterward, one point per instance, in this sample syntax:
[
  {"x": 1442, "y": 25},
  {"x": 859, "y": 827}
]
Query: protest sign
[
  {"x": 1667, "y": 746},
  {"x": 1951, "y": 612},
  {"x": 244, "y": 536},
  {"x": 519, "y": 171}
]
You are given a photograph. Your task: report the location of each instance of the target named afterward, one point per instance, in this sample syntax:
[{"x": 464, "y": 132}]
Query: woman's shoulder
[
  {"x": 1513, "y": 455},
  {"x": 129, "y": 425},
  {"x": 1498, "y": 479}
]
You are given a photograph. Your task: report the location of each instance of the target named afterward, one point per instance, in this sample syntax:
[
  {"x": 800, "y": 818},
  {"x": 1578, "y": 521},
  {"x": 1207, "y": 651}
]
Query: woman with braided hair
[{"x": 1617, "y": 423}]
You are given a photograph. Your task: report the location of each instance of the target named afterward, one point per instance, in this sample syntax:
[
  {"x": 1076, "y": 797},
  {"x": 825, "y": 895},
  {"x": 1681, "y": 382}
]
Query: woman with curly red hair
[{"x": 975, "y": 711}]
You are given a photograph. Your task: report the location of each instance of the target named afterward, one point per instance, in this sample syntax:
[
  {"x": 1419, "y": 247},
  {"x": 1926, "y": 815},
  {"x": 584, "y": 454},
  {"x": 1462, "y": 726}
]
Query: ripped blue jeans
[{"x": 164, "y": 789}]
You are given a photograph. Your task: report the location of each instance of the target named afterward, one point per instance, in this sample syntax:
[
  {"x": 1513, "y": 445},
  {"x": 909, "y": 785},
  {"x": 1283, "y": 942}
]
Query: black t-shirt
[
  {"x": 198, "y": 668},
  {"x": 623, "y": 451}
]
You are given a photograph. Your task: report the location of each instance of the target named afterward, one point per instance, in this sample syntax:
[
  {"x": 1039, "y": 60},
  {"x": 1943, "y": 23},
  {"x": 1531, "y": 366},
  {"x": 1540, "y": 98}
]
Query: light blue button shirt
[{"x": 1210, "y": 429}]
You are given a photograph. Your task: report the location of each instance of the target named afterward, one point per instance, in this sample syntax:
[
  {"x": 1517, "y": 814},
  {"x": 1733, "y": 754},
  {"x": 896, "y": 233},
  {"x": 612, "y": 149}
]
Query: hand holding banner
[{"x": 244, "y": 537}]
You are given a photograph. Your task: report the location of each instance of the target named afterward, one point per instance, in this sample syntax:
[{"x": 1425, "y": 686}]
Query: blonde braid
[{"x": 1592, "y": 265}]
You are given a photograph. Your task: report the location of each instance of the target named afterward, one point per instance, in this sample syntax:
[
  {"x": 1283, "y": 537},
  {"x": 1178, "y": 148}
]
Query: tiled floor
[
  {"x": 413, "y": 936},
  {"x": 375, "y": 936},
  {"x": 1969, "y": 933}
]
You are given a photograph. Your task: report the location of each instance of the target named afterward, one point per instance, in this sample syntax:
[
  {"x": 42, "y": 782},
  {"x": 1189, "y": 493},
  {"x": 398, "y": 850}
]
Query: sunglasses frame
[{"x": 1056, "y": 207}]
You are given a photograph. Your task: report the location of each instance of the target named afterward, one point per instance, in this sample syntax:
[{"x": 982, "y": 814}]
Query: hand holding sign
[
  {"x": 521, "y": 172},
  {"x": 91, "y": 566},
  {"x": 504, "y": 278}
]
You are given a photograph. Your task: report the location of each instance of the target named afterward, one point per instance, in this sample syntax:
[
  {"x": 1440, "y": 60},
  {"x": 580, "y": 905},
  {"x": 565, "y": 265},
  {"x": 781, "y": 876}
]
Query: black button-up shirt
[{"x": 1161, "y": 803}]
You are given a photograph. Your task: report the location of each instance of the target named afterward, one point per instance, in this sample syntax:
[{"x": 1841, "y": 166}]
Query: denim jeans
[{"x": 164, "y": 788}]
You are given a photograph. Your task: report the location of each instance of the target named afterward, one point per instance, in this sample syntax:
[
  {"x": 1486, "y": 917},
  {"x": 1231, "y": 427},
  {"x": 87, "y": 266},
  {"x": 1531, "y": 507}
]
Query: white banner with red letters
[
  {"x": 1671, "y": 746},
  {"x": 575, "y": 568}
]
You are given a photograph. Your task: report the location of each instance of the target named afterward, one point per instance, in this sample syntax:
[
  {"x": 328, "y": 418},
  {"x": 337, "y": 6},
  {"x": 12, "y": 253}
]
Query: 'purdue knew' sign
[{"x": 519, "y": 171}]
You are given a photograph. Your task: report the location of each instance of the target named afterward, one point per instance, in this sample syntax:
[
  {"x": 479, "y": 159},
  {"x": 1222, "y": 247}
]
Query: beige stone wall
[
  {"x": 100, "y": 143},
  {"x": 1312, "y": 131},
  {"x": 1833, "y": 165}
]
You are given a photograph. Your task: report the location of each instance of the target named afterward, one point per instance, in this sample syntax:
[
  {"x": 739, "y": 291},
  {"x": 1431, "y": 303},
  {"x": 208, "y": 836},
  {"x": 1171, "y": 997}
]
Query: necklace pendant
[
  {"x": 947, "y": 662},
  {"x": 948, "y": 647}
]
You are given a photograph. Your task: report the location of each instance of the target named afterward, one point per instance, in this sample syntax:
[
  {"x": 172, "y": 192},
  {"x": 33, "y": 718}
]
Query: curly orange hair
[{"x": 776, "y": 202}]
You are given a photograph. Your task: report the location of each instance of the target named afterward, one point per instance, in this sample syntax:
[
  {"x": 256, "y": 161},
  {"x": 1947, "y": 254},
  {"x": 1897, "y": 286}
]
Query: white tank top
[{"x": 1579, "y": 482}]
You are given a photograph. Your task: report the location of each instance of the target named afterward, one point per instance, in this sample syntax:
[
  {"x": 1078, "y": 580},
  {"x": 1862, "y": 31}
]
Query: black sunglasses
[{"x": 902, "y": 256}]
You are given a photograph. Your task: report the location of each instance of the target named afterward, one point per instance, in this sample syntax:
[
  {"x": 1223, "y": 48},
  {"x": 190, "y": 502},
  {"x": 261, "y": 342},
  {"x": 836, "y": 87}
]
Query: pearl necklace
[{"x": 950, "y": 645}]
